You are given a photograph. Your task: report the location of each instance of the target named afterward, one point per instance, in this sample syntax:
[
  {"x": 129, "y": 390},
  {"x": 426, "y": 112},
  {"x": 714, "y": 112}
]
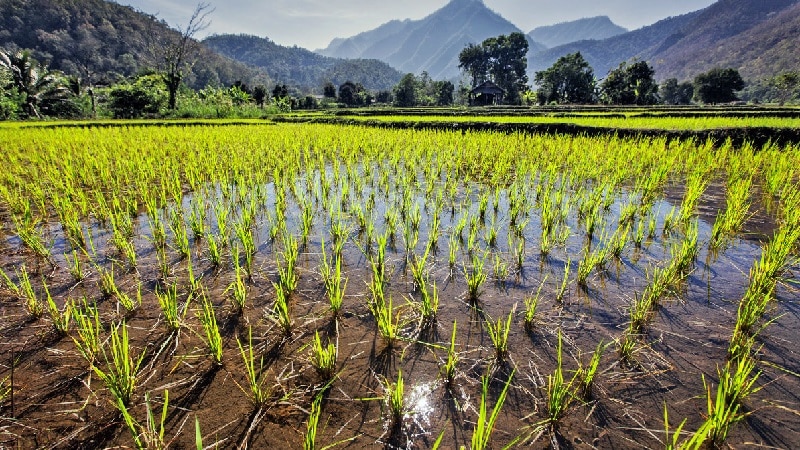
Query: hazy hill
[
  {"x": 300, "y": 66},
  {"x": 730, "y": 33},
  {"x": 103, "y": 41},
  {"x": 600, "y": 27},
  {"x": 430, "y": 44}
]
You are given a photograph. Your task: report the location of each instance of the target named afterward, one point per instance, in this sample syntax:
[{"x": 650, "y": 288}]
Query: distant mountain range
[
  {"x": 759, "y": 37},
  {"x": 600, "y": 27},
  {"x": 303, "y": 67},
  {"x": 430, "y": 44}
]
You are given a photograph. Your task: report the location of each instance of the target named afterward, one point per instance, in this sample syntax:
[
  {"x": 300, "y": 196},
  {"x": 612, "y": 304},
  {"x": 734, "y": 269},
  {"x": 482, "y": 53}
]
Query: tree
[
  {"x": 569, "y": 80},
  {"x": 718, "y": 85},
  {"x": 672, "y": 93},
  {"x": 143, "y": 97},
  {"x": 348, "y": 93},
  {"x": 280, "y": 92},
  {"x": 405, "y": 93},
  {"x": 502, "y": 59},
  {"x": 630, "y": 84},
  {"x": 260, "y": 95},
  {"x": 444, "y": 93},
  {"x": 329, "y": 90},
  {"x": 179, "y": 54},
  {"x": 34, "y": 83},
  {"x": 786, "y": 83}
]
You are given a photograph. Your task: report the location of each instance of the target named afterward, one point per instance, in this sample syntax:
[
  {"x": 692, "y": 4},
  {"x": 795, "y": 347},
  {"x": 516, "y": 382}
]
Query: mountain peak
[{"x": 596, "y": 28}]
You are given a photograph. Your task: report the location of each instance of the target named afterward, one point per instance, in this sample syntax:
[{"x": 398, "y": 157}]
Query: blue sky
[{"x": 313, "y": 23}]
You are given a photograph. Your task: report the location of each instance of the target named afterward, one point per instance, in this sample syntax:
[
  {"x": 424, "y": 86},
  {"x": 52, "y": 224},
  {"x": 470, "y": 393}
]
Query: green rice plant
[
  {"x": 178, "y": 228},
  {"x": 669, "y": 222},
  {"x": 61, "y": 317},
  {"x": 25, "y": 291},
  {"x": 87, "y": 324},
  {"x": 560, "y": 393},
  {"x": 531, "y": 303},
  {"x": 214, "y": 249},
  {"x": 287, "y": 273},
  {"x": 281, "y": 313},
  {"x": 258, "y": 392},
  {"x": 238, "y": 292},
  {"x": 500, "y": 268},
  {"x": 121, "y": 367},
  {"x": 108, "y": 285},
  {"x": 149, "y": 435},
  {"x": 418, "y": 270},
  {"x": 626, "y": 345},
  {"x": 195, "y": 283},
  {"x": 221, "y": 212},
  {"x": 484, "y": 426},
  {"x": 388, "y": 322},
  {"x": 452, "y": 247},
  {"x": 158, "y": 230},
  {"x": 563, "y": 287},
  {"x": 310, "y": 438},
  {"x": 208, "y": 320},
  {"x": 128, "y": 302},
  {"x": 395, "y": 400},
  {"x": 587, "y": 374},
  {"x": 429, "y": 303},
  {"x": 498, "y": 333},
  {"x": 323, "y": 357},
  {"x": 475, "y": 278},
  {"x": 695, "y": 186},
  {"x": 173, "y": 314},
  {"x": 672, "y": 438},
  {"x": 736, "y": 212},
  {"x": 450, "y": 365},
  {"x": 75, "y": 266}
]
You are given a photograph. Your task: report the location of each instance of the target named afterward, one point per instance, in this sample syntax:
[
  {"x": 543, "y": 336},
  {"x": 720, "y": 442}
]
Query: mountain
[
  {"x": 301, "y": 67},
  {"x": 600, "y": 27},
  {"x": 430, "y": 44},
  {"x": 102, "y": 41},
  {"x": 728, "y": 33}
]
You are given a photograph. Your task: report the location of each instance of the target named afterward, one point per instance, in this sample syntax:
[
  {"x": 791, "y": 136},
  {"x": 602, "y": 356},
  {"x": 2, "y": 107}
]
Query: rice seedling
[
  {"x": 108, "y": 285},
  {"x": 287, "y": 273},
  {"x": 563, "y": 287},
  {"x": 281, "y": 314},
  {"x": 212, "y": 336},
  {"x": 498, "y": 333},
  {"x": 178, "y": 228},
  {"x": 310, "y": 438},
  {"x": 560, "y": 393},
  {"x": 429, "y": 303},
  {"x": 122, "y": 368},
  {"x": 25, "y": 291},
  {"x": 129, "y": 303},
  {"x": 587, "y": 374},
  {"x": 450, "y": 365},
  {"x": 256, "y": 376},
  {"x": 452, "y": 247},
  {"x": 395, "y": 400},
  {"x": 74, "y": 266},
  {"x": 214, "y": 250},
  {"x": 323, "y": 357},
  {"x": 531, "y": 303},
  {"x": 173, "y": 314},
  {"x": 61, "y": 318},
  {"x": 149, "y": 435},
  {"x": 500, "y": 268},
  {"x": 672, "y": 438},
  {"x": 87, "y": 324},
  {"x": 475, "y": 278},
  {"x": 484, "y": 426},
  {"x": 388, "y": 321},
  {"x": 238, "y": 292}
]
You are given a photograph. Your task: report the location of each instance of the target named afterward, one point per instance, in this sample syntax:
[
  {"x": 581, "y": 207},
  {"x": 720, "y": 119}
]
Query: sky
[{"x": 313, "y": 23}]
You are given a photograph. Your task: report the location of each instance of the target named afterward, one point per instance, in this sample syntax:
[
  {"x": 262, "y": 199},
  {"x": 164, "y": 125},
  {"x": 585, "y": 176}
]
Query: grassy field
[{"x": 304, "y": 285}]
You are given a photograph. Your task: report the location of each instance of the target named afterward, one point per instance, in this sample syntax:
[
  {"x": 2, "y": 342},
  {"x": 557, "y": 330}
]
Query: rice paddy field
[{"x": 301, "y": 285}]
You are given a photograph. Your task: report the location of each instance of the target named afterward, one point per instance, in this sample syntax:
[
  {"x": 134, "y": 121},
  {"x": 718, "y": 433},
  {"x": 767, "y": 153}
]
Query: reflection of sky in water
[{"x": 420, "y": 404}]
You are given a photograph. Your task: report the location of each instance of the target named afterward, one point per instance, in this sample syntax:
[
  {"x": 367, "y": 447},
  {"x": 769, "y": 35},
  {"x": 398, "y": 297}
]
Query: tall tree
[
  {"x": 630, "y": 84},
  {"x": 405, "y": 93},
  {"x": 673, "y": 93},
  {"x": 718, "y": 85},
  {"x": 501, "y": 59},
  {"x": 786, "y": 83},
  {"x": 180, "y": 53},
  {"x": 569, "y": 80}
]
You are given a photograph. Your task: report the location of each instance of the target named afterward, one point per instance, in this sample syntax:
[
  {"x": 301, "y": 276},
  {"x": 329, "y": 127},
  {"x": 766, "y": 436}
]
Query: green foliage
[
  {"x": 503, "y": 59},
  {"x": 674, "y": 93},
  {"x": 144, "y": 97},
  {"x": 569, "y": 80},
  {"x": 718, "y": 85},
  {"x": 630, "y": 84}
]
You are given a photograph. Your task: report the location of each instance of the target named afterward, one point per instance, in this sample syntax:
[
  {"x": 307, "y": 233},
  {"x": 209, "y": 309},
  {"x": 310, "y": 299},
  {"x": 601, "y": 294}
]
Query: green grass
[
  {"x": 258, "y": 392},
  {"x": 211, "y": 334},
  {"x": 121, "y": 371},
  {"x": 484, "y": 426}
]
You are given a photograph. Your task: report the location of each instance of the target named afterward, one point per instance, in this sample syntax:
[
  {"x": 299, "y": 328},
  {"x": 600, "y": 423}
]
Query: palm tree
[{"x": 34, "y": 81}]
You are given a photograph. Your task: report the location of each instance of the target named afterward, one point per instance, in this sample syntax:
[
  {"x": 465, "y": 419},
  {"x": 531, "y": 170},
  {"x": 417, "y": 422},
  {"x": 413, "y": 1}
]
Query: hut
[{"x": 486, "y": 93}]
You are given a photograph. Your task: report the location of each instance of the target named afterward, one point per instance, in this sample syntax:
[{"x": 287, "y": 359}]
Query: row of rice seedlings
[
  {"x": 335, "y": 283},
  {"x": 730, "y": 220},
  {"x": 281, "y": 311}
]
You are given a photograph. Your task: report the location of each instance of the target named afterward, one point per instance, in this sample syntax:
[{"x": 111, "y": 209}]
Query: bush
[{"x": 144, "y": 97}]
